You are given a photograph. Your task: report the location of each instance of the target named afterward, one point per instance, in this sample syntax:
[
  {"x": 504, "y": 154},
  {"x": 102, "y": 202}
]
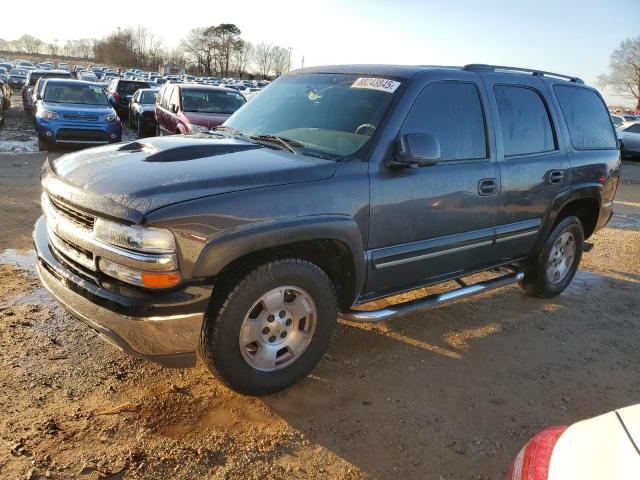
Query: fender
[
  {"x": 220, "y": 252},
  {"x": 577, "y": 192}
]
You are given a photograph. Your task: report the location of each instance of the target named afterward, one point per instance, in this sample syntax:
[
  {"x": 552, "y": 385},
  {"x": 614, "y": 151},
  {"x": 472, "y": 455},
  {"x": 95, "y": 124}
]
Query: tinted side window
[
  {"x": 165, "y": 97},
  {"x": 524, "y": 120},
  {"x": 635, "y": 128},
  {"x": 452, "y": 112},
  {"x": 587, "y": 118},
  {"x": 174, "y": 98}
]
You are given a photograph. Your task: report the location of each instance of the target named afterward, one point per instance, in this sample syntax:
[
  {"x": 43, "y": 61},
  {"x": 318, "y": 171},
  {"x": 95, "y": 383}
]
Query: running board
[{"x": 374, "y": 316}]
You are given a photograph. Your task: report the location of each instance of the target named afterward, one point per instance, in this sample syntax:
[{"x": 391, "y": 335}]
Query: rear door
[{"x": 534, "y": 168}]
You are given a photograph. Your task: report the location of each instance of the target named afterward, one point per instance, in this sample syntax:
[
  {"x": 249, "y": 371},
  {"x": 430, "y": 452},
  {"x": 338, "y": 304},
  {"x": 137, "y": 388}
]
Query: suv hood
[
  {"x": 77, "y": 108},
  {"x": 208, "y": 120},
  {"x": 129, "y": 180}
]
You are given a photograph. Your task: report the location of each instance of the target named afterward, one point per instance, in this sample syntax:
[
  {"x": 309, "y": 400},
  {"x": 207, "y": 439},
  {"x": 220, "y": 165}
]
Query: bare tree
[
  {"x": 29, "y": 44},
  {"x": 281, "y": 60},
  {"x": 242, "y": 57},
  {"x": 263, "y": 57},
  {"x": 624, "y": 70},
  {"x": 199, "y": 49}
]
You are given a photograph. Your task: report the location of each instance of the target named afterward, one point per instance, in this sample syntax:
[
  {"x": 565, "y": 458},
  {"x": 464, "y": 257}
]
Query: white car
[
  {"x": 629, "y": 135},
  {"x": 601, "y": 448}
]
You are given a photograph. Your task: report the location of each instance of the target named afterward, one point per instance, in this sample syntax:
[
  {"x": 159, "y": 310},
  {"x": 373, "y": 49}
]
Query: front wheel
[
  {"x": 44, "y": 145},
  {"x": 551, "y": 272},
  {"x": 272, "y": 328}
]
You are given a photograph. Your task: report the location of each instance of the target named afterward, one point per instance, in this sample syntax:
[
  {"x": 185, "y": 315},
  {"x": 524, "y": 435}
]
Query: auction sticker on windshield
[{"x": 382, "y": 84}]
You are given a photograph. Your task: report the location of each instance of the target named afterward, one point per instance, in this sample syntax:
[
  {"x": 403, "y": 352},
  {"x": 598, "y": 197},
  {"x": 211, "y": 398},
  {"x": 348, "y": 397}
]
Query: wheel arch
[
  {"x": 334, "y": 243},
  {"x": 584, "y": 203}
]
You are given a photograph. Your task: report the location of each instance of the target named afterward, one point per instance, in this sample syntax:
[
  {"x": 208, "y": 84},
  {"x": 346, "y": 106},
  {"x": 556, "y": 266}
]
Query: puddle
[
  {"x": 19, "y": 146},
  {"x": 620, "y": 220},
  {"x": 23, "y": 260}
]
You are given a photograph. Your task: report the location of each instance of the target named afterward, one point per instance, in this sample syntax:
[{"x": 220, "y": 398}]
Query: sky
[{"x": 574, "y": 37}]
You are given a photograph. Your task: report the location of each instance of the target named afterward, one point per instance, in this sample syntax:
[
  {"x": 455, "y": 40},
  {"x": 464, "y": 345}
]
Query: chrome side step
[{"x": 430, "y": 301}]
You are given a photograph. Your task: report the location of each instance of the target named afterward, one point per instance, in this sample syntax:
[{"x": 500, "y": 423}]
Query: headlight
[
  {"x": 198, "y": 129},
  {"x": 134, "y": 237},
  {"x": 48, "y": 115},
  {"x": 110, "y": 117}
]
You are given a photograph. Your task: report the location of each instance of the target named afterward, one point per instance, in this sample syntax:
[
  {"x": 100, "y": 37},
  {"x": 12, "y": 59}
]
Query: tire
[
  {"x": 139, "y": 129},
  {"x": 555, "y": 260},
  {"x": 224, "y": 347},
  {"x": 44, "y": 145}
]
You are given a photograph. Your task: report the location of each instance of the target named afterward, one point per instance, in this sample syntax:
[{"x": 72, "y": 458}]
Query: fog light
[
  {"x": 49, "y": 134},
  {"x": 136, "y": 277},
  {"x": 113, "y": 136}
]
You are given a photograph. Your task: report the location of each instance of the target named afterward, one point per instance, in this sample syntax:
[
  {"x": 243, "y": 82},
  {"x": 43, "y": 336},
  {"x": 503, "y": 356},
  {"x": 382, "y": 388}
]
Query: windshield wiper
[
  {"x": 231, "y": 130},
  {"x": 289, "y": 144}
]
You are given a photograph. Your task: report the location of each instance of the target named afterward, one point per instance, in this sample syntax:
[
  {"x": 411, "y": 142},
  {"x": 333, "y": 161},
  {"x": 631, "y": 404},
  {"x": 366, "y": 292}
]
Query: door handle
[
  {"x": 556, "y": 177},
  {"x": 487, "y": 186}
]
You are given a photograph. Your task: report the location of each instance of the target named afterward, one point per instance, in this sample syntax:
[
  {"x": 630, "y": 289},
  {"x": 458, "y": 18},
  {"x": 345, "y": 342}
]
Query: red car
[{"x": 192, "y": 108}]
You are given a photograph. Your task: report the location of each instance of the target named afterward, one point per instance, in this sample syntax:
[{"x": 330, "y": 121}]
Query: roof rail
[{"x": 531, "y": 71}]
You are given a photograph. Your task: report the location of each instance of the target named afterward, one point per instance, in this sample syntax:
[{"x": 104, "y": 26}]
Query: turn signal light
[{"x": 160, "y": 280}]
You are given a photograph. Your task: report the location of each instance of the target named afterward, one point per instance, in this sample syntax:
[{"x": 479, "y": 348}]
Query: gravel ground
[{"x": 450, "y": 393}]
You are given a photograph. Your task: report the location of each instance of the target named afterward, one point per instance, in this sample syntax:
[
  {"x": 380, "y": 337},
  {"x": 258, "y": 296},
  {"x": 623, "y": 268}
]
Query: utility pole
[
  {"x": 302, "y": 62},
  {"x": 289, "y": 61}
]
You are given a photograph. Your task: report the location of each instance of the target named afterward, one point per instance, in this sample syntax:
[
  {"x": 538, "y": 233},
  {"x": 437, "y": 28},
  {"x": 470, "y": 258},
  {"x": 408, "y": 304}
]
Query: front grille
[
  {"x": 71, "y": 134},
  {"x": 72, "y": 254},
  {"x": 78, "y": 116},
  {"x": 76, "y": 216},
  {"x": 148, "y": 116}
]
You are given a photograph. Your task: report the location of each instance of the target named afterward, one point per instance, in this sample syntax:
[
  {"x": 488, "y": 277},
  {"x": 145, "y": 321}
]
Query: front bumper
[
  {"x": 164, "y": 328},
  {"x": 79, "y": 133}
]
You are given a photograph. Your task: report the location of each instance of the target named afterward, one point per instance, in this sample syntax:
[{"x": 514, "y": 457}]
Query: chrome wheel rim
[
  {"x": 278, "y": 328},
  {"x": 561, "y": 258}
]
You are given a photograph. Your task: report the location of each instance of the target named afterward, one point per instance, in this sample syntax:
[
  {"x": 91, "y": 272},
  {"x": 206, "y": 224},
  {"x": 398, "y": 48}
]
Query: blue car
[{"x": 74, "y": 112}]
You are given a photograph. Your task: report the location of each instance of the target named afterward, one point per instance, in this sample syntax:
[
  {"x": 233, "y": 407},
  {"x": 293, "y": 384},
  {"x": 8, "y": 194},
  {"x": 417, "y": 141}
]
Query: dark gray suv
[{"x": 333, "y": 187}]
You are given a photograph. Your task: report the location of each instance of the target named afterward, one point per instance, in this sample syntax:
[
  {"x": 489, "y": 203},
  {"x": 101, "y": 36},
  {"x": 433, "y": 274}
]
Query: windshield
[
  {"x": 334, "y": 114},
  {"x": 129, "y": 88},
  {"x": 33, "y": 79},
  {"x": 148, "y": 97},
  {"x": 211, "y": 101},
  {"x": 18, "y": 72},
  {"x": 82, "y": 94}
]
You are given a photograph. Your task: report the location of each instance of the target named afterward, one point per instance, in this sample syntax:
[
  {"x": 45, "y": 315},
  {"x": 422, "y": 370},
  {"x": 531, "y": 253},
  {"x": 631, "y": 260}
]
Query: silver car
[{"x": 629, "y": 135}]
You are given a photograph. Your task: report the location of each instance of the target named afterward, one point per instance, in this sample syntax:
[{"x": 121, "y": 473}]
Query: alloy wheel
[{"x": 278, "y": 328}]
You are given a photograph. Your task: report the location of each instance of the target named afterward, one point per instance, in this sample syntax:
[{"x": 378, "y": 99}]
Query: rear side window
[
  {"x": 635, "y": 128},
  {"x": 165, "y": 97},
  {"x": 452, "y": 112},
  {"x": 524, "y": 120},
  {"x": 587, "y": 118}
]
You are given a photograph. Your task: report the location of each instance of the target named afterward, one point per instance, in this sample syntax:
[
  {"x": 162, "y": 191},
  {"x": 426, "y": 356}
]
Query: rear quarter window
[{"x": 587, "y": 118}]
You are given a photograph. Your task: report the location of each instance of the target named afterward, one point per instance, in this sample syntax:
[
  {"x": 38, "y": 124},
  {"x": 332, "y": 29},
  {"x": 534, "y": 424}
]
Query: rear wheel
[
  {"x": 272, "y": 328},
  {"x": 551, "y": 272}
]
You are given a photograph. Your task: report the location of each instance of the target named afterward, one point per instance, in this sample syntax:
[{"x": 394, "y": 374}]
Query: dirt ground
[{"x": 450, "y": 393}]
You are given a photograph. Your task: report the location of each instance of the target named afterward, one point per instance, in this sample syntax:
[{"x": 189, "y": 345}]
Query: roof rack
[{"x": 531, "y": 71}]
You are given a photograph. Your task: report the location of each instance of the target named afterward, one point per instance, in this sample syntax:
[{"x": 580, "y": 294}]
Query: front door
[
  {"x": 534, "y": 168},
  {"x": 438, "y": 221}
]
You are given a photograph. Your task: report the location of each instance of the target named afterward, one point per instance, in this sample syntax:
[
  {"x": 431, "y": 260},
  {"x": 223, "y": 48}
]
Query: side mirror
[
  {"x": 174, "y": 108},
  {"x": 416, "y": 149},
  {"x": 38, "y": 97},
  {"x": 112, "y": 101}
]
